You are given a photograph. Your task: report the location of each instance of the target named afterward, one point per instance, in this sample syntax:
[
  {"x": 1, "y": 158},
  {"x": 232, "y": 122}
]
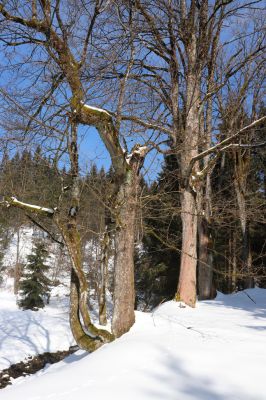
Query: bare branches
[
  {"x": 152, "y": 24},
  {"x": 97, "y": 11},
  {"x": 223, "y": 145},
  {"x": 147, "y": 124}
]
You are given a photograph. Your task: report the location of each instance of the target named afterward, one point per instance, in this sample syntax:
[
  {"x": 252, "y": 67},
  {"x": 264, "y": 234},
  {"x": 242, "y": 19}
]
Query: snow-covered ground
[
  {"x": 27, "y": 333},
  {"x": 216, "y": 352}
]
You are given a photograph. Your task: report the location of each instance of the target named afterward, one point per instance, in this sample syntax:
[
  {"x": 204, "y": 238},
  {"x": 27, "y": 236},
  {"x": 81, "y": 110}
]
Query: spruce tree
[{"x": 34, "y": 286}]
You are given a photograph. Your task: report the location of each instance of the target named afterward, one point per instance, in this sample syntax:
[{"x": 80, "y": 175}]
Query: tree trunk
[
  {"x": 18, "y": 266},
  {"x": 90, "y": 337},
  {"x": 206, "y": 288},
  {"x": 246, "y": 256},
  {"x": 205, "y": 271},
  {"x": 66, "y": 219},
  {"x": 186, "y": 290},
  {"x": 232, "y": 264},
  {"x": 83, "y": 340},
  {"x": 247, "y": 260},
  {"x": 103, "y": 278},
  {"x": 124, "y": 292}
]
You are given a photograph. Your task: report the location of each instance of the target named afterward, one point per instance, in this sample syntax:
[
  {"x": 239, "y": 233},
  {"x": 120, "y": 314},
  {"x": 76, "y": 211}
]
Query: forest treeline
[{"x": 31, "y": 176}]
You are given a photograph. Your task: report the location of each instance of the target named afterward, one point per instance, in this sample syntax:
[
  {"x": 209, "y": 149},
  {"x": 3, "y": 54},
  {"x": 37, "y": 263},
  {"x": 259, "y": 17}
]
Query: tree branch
[
  {"x": 223, "y": 144},
  {"x": 45, "y": 230},
  {"x": 12, "y": 201}
]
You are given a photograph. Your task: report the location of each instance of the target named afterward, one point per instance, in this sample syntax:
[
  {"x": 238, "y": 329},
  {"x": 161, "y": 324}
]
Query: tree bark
[
  {"x": 79, "y": 293},
  {"x": 83, "y": 340},
  {"x": 127, "y": 168},
  {"x": 124, "y": 292},
  {"x": 66, "y": 220},
  {"x": 186, "y": 290}
]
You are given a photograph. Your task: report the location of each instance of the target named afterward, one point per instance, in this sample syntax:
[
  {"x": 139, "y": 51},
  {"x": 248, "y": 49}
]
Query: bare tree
[
  {"x": 45, "y": 26},
  {"x": 182, "y": 42}
]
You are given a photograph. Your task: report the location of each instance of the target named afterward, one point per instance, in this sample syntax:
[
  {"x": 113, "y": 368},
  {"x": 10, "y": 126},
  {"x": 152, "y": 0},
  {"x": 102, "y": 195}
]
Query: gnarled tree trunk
[{"x": 83, "y": 340}]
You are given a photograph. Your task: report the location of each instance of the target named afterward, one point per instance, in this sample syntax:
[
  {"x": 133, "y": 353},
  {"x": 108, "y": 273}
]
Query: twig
[{"x": 249, "y": 297}]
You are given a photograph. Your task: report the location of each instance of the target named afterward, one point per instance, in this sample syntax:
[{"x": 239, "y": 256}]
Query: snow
[
  {"x": 25, "y": 333},
  {"x": 213, "y": 352},
  {"x": 101, "y": 110},
  {"x": 141, "y": 151}
]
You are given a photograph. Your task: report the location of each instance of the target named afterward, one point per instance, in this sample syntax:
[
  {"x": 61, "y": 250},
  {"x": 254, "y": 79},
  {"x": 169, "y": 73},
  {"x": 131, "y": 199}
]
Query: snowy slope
[
  {"x": 216, "y": 352},
  {"x": 24, "y": 333},
  {"x": 19, "y": 248}
]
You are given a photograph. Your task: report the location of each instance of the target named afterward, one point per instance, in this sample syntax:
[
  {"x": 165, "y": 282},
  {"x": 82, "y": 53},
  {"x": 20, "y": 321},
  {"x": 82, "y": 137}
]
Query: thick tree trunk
[
  {"x": 186, "y": 290},
  {"x": 124, "y": 292}
]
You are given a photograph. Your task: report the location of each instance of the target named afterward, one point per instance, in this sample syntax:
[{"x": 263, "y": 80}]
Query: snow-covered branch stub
[
  {"x": 139, "y": 151},
  {"x": 13, "y": 201}
]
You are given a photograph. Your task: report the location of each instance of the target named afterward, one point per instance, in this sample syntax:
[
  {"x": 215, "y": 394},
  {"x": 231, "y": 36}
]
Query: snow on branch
[
  {"x": 97, "y": 110},
  {"x": 102, "y": 120},
  {"x": 139, "y": 151},
  {"x": 13, "y": 201}
]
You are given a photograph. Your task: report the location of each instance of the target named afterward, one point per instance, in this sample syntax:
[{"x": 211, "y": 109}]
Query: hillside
[{"x": 216, "y": 352}]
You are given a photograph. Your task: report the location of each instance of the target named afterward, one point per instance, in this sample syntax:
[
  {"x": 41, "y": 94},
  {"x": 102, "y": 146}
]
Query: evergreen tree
[{"x": 34, "y": 286}]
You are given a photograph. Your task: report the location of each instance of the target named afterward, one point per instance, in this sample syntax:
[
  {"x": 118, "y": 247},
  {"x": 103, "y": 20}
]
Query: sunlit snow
[{"x": 216, "y": 352}]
